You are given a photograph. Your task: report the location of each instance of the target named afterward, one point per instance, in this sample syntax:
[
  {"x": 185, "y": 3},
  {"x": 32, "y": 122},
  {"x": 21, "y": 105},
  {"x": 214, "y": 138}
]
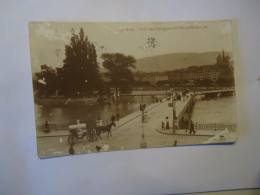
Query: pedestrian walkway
[
  {"x": 120, "y": 123},
  {"x": 135, "y": 115}
]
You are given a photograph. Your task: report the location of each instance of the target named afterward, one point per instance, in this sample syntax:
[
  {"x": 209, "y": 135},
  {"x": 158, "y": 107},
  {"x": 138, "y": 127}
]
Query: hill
[{"x": 176, "y": 60}]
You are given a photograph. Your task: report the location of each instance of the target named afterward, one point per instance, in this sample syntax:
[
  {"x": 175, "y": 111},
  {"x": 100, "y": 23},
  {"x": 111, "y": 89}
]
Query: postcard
[{"x": 113, "y": 86}]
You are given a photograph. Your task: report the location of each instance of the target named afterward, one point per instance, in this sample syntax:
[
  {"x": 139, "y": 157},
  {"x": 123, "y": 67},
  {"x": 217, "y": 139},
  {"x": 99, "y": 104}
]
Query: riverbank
[{"x": 61, "y": 101}]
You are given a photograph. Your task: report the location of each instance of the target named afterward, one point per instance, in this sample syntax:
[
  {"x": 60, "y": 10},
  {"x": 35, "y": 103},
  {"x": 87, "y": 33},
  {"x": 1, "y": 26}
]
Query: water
[
  {"x": 222, "y": 110},
  {"x": 68, "y": 114}
]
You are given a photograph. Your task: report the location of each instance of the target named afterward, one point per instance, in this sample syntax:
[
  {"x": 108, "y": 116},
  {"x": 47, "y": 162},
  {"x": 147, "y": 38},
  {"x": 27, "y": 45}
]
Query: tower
[{"x": 219, "y": 59}]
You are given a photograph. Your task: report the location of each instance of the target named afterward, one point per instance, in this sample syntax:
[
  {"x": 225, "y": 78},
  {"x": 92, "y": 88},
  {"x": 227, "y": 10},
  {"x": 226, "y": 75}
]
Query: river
[
  {"x": 68, "y": 114},
  {"x": 222, "y": 110}
]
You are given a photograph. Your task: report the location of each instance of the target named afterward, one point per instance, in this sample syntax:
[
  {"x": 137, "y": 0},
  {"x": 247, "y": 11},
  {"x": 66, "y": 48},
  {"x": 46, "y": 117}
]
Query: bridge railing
[
  {"x": 215, "y": 126},
  {"x": 186, "y": 106}
]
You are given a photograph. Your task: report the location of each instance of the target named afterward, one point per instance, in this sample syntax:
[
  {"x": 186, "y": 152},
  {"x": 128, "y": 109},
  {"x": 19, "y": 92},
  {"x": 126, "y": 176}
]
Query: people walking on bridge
[
  {"x": 163, "y": 127},
  {"x": 47, "y": 127},
  {"x": 187, "y": 125},
  {"x": 142, "y": 107},
  {"x": 71, "y": 150},
  {"x": 179, "y": 97},
  {"x": 167, "y": 123},
  {"x": 192, "y": 128}
]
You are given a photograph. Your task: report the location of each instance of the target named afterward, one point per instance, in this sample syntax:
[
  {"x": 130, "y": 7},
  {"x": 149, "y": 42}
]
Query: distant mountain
[{"x": 176, "y": 60}]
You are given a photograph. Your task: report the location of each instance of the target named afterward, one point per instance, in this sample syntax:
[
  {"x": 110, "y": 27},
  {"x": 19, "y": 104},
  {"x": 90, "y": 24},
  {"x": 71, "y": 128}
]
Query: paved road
[{"x": 127, "y": 136}]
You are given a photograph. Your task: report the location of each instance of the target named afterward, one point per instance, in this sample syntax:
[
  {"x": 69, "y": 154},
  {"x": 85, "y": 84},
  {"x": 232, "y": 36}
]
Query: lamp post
[
  {"x": 173, "y": 114},
  {"x": 142, "y": 108},
  {"x": 143, "y": 143}
]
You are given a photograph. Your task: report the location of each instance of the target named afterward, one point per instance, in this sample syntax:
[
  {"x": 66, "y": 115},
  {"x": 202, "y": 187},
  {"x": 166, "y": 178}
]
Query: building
[
  {"x": 223, "y": 68},
  {"x": 153, "y": 78},
  {"x": 205, "y": 72}
]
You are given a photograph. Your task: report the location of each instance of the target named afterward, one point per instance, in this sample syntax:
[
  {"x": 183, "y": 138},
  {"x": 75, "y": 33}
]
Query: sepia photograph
[{"x": 113, "y": 86}]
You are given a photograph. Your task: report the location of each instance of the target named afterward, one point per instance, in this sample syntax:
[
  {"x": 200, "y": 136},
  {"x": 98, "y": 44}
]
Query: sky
[{"x": 139, "y": 39}]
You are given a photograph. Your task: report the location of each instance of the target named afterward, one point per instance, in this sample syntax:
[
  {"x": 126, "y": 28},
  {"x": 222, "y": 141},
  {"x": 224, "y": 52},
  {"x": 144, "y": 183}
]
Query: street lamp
[
  {"x": 143, "y": 143},
  {"x": 142, "y": 108},
  {"x": 173, "y": 114}
]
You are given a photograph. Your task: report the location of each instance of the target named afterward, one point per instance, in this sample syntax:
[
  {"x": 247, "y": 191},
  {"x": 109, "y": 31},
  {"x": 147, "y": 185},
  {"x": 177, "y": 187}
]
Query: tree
[
  {"x": 79, "y": 74},
  {"x": 119, "y": 72},
  {"x": 45, "y": 82}
]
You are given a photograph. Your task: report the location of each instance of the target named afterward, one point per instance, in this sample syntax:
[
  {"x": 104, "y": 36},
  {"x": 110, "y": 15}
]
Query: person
[
  {"x": 142, "y": 107},
  {"x": 117, "y": 116},
  {"x": 192, "y": 127},
  {"x": 47, "y": 128},
  {"x": 188, "y": 125},
  {"x": 167, "y": 123},
  {"x": 71, "y": 150},
  {"x": 175, "y": 143},
  {"x": 163, "y": 127},
  {"x": 179, "y": 97},
  {"x": 98, "y": 148},
  {"x": 113, "y": 118}
]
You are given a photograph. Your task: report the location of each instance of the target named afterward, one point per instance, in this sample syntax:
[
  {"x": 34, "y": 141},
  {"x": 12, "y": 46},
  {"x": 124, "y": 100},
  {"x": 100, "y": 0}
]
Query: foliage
[
  {"x": 119, "y": 69},
  {"x": 49, "y": 77},
  {"x": 79, "y": 74}
]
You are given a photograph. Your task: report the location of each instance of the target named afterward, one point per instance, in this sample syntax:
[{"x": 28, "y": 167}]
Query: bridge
[
  {"x": 182, "y": 109},
  {"x": 156, "y": 94},
  {"x": 212, "y": 93},
  {"x": 151, "y": 93},
  {"x": 186, "y": 108}
]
